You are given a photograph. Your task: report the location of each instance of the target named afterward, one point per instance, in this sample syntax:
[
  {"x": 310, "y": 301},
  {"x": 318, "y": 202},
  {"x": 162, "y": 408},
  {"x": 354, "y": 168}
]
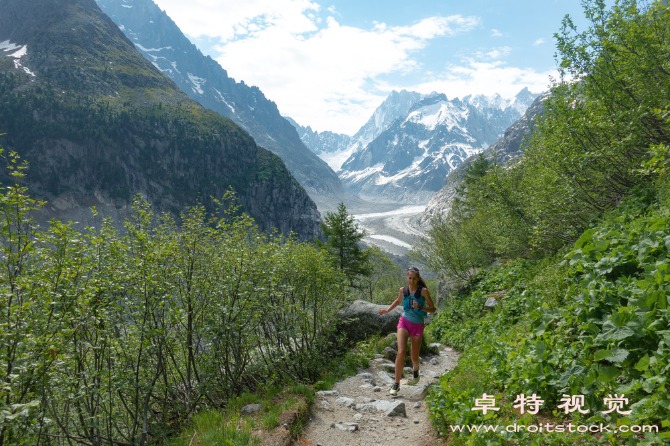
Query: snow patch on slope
[
  {"x": 151, "y": 50},
  {"x": 18, "y": 52},
  {"x": 197, "y": 83},
  {"x": 362, "y": 174},
  {"x": 226, "y": 102},
  {"x": 442, "y": 113}
]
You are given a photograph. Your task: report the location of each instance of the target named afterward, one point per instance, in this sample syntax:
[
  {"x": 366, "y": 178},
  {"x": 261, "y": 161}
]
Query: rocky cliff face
[
  {"x": 505, "y": 151},
  {"x": 336, "y": 148},
  {"x": 99, "y": 124},
  {"x": 409, "y": 161},
  {"x": 162, "y": 43}
]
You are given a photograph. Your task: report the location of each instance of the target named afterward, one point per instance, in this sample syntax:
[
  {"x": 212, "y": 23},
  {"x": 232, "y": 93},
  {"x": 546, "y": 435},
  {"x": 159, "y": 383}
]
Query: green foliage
[
  {"x": 381, "y": 270},
  {"x": 343, "y": 236},
  {"x": 603, "y": 132},
  {"x": 594, "y": 324},
  {"x": 119, "y": 338},
  {"x": 211, "y": 429}
]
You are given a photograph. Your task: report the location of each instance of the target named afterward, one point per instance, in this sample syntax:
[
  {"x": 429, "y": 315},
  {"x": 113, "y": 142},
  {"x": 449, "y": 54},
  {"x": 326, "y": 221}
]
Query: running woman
[{"x": 411, "y": 323}]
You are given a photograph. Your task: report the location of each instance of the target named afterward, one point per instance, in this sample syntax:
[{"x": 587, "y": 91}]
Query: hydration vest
[{"x": 408, "y": 301}]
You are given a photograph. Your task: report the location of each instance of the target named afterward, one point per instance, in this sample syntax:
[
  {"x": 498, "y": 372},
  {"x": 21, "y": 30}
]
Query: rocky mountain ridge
[
  {"x": 161, "y": 42},
  {"x": 409, "y": 161},
  {"x": 504, "y": 152},
  {"x": 336, "y": 148},
  {"x": 99, "y": 124}
]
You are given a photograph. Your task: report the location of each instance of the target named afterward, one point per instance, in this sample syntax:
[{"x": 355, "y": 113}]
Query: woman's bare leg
[
  {"x": 416, "y": 347},
  {"x": 402, "y": 350}
]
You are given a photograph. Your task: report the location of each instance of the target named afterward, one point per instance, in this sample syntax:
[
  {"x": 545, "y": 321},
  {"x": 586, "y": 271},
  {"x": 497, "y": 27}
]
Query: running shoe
[
  {"x": 414, "y": 380},
  {"x": 394, "y": 389}
]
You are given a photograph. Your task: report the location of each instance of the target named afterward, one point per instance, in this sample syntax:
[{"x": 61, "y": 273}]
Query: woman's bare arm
[
  {"x": 430, "y": 308},
  {"x": 393, "y": 305}
]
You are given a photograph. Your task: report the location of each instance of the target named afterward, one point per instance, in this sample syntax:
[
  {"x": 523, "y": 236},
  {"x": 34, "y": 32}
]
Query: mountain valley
[
  {"x": 161, "y": 42},
  {"x": 98, "y": 124}
]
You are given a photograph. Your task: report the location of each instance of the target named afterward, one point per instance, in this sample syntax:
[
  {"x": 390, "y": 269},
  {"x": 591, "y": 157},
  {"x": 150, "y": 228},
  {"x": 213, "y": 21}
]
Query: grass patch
[
  {"x": 229, "y": 427},
  {"x": 215, "y": 428},
  {"x": 280, "y": 405}
]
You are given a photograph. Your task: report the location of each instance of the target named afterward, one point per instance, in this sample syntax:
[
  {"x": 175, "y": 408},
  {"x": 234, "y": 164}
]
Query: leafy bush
[
  {"x": 604, "y": 120},
  {"x": 595, "y": 324},
  {"x": 119, "y": 338}
]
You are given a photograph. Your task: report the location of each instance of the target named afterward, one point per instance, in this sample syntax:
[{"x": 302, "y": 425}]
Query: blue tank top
[{"x": 412, "y": 314}]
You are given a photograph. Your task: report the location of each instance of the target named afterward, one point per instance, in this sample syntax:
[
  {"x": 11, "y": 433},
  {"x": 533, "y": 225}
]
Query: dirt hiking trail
[{"x": 360, "y": 411}]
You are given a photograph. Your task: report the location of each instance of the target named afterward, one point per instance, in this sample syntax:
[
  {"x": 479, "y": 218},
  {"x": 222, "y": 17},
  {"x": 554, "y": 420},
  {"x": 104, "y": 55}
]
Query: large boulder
[{"x": 361, "y": 320}]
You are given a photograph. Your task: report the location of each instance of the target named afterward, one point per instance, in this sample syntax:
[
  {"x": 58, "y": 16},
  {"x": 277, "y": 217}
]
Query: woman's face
[{"x": 412, "y": 279}]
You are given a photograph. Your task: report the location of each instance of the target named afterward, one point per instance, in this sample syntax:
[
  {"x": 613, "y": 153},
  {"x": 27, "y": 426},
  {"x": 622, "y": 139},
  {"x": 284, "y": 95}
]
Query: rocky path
[{"x": 360, "y": 411}]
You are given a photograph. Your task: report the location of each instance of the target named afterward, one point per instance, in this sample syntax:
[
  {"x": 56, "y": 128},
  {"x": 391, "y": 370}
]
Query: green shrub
[
  {"x": 121, "y": 337},
  {"x": 595, "y": 324}
]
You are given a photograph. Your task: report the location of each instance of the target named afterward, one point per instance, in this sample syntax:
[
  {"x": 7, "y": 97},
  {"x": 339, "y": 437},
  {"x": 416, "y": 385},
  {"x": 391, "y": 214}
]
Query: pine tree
[{"x": 343, "y": 236}]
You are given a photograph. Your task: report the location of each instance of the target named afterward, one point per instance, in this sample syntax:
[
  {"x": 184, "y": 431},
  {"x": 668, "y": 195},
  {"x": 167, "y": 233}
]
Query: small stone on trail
[
  {"x": 344, "y": 401},
  {"x": 326, "y": 405},
  {"x": 414, "y": 391},
  {"x": 408, "y": 370},
  {"x": 378, "y": 355},
  {"x": 368, "y": 378},
  {"x": 347, "y": 428},
  {"x": 434, "y": 361},
  {"x": 397, "y": 410},
  {"x": 379, "y": 360},
  {"x": 367, "y": 386},
  {"x": 416, "y": 421},
  {"x": 325, "y": 393},
  {"x": 448, "y": 349},
  {"x": 417, "y": 405},
  {"x": 358, "y": 416},
  {"x": 435, "y": 345},
  {"x": 363, "y": 399},
  {"x": 250, "y": 408},
  {"x": 377, "y": 389},
  {"x": 385, "y": 377},
  {"x": 390, "y": 368}
]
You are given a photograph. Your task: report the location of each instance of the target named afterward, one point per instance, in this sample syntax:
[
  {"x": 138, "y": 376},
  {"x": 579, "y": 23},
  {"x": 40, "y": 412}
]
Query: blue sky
[{"x": 329, "y": 64}]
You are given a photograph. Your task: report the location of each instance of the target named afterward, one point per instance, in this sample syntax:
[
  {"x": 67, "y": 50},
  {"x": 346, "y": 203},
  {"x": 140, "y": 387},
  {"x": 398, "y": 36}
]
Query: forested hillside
[
  {"x": 99, "y": 124},
  {"x": 577, "y": 232}
]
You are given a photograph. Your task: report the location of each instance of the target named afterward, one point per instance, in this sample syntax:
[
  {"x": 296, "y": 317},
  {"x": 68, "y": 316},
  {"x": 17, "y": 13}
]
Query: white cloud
[
  {"x": 539, "y": 42},
  {"x": 318, "y": 71},
  {"x": 227, "y": 19},
  {"x": 332, "y": 76},
  {"x": 485, "y": 78},
  {"x": 328, "y": 78},
  {"x": 495, "y": 53}
]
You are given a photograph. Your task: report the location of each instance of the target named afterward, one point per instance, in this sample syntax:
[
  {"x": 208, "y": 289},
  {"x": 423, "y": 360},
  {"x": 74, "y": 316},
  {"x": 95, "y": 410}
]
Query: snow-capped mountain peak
[
  {"x": 336, "y": 148},
  {"x": 409, "y": 161},
  {"x": 441, "y": 113}
]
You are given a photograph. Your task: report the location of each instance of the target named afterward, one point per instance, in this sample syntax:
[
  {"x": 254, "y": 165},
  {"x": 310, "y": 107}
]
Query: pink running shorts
[{"x": 411, "y": 327}]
